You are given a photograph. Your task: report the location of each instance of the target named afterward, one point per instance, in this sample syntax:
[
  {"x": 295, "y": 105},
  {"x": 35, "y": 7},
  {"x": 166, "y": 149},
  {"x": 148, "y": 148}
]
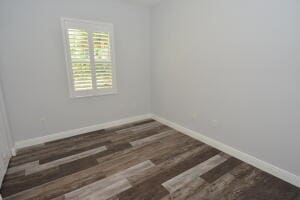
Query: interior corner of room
[{"x": 225, "y": 73}]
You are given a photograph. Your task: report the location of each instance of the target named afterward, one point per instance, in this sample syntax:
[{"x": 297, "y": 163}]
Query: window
[{"x": 90, "y": 56}]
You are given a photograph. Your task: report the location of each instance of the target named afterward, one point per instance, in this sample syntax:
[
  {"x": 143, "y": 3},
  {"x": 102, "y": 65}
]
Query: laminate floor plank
[
  {"x": 22, "y": 167},
  {"x": 265, "y": 187},
  {"x": 152, "y": 138},
  {"x": 133, "y": 136},
  {"x": 152, "y": 149},
  {"x": 30, "y": 149},
  {"x": 116, "y": 128},
  {"x": 112, "y": 190},
  {"x": 220, "y": 170},
  {"x": 25, "y": 182},
  {"x": 187, "y": 190},
  {"x": 209, "y": 191},
  {"x": 39, "y": 178},
  {"x": 10, "y": 177},
  {"x": 60, "y": 186},
  {"x": 103, "y": 184},
  {"x": 53, "y": 153},
  {"x": 167, "y": 164},
  {"x": 139, "y": 128},
  {"x": 152, "y": 188},
  {"x": 127, "y": 135},
  {"x": 297, "y": 196},
  {"x": 228, "y": 186},
  {"x": 143, "y": 160},
  {"x": 64, "y": 160},
  {"x": 184, "y": 178},
  {"x": 70, "y": 152}
]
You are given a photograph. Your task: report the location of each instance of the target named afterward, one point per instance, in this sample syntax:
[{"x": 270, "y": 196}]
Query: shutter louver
[
  {"x": 103, "y": 61},
  {"x": 81, "y": 66}
]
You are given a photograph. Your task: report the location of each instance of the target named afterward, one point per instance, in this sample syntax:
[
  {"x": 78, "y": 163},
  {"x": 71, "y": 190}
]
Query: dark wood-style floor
[{"x": 139, "y": 161}]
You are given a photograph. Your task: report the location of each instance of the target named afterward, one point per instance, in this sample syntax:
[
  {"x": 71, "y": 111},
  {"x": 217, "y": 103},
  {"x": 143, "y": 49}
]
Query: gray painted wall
[
  {"x": 34, "y": 73},
  {"x": 230, "y": 70}
]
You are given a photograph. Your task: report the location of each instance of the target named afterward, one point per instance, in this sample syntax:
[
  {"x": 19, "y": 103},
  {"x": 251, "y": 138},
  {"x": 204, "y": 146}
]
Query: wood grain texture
[
  {"x": 144, "y": 160},
  {"x": 64, "y": 160},
  {"x": 120, "y": 179},
  {"x": 184, "y": 178}
]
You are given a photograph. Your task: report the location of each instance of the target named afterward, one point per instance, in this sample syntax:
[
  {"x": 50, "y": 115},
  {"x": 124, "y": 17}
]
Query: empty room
[{"x": 149, "y": 100}]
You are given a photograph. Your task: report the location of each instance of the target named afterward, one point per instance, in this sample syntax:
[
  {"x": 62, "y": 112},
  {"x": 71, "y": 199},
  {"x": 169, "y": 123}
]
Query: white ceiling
[{"x": 145, "y": 2}]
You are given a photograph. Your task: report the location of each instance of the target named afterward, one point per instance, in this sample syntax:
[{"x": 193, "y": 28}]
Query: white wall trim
[
  {"x": 260, "y": 164},
  {"x": 5, "y": 137},
  {"x": 5, "y": 165},
  {"x": 13, "y": 151},
  {"x": 3, "y": 112},
  {"x": 70, "y": 133}
]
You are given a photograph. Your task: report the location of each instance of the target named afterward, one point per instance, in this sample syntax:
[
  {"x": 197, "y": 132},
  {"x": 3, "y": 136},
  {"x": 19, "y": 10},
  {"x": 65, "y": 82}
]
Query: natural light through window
[{"x": 90, "y": 57}]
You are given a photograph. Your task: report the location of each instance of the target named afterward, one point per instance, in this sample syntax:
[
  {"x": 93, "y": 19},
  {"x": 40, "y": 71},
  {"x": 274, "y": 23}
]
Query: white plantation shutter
[
  {"x": 90, "y": 57},
  {"x": 103, "y": 62},
  {"x": 81, "y": 66}
]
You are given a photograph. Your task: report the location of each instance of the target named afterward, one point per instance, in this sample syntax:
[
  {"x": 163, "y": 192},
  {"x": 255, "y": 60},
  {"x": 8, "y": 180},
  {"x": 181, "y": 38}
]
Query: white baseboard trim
[
  {"x": 70, "y": 133},
  {"x": 13, "y": 151},
  {"x": 264, "y": 166}
]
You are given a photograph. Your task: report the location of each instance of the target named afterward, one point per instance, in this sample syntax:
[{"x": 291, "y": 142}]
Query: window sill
[{"x": 77, "y": 96}]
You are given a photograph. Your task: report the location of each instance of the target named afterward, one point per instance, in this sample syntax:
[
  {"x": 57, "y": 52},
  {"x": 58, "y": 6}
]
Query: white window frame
[{"x": 90, "y": 27}]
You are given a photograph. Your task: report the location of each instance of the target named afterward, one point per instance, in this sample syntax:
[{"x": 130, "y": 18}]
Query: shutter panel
[
  {"x": 81, "y": 66},
  {"x": 103, "y": 60}
]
